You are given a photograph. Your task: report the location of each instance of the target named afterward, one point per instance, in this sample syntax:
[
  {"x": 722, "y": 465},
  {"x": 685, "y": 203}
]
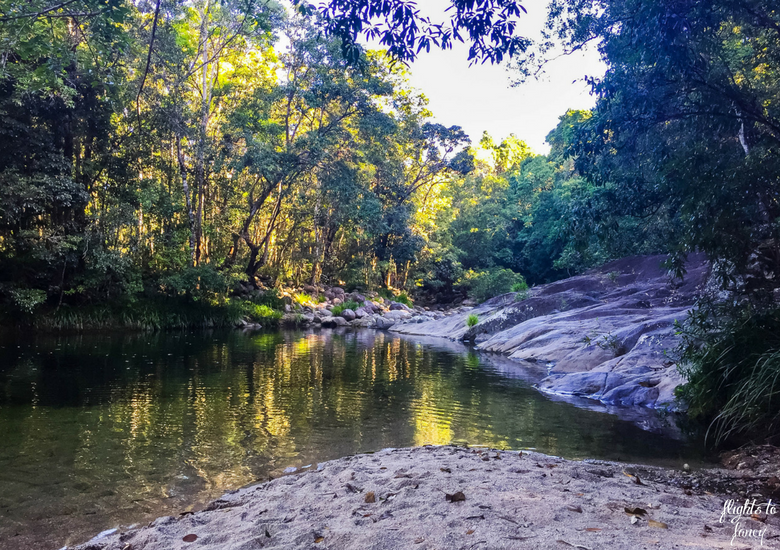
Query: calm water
[{"x": 102, "y": 430}]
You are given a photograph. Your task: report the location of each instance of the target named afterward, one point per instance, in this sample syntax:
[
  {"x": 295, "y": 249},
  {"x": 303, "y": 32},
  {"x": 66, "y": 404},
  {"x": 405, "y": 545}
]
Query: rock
[
  {"x": 395, "y": 306},
  {"x": 397, "y": 315},
  {"x": 364, "y": 322},
  {"x": 420, "y": 319},
  {"x": 337, "y": 291},
  {"x": 310, "y": 290},
  {"x": 292, "y": 319},
  {"x": 383, "y": 323},
  {"x": 337, "y": 301},
  {"x": 359, "y": 298},
  {"x": 334, "y": 322},
  {"x": 361, "y": 312},
  {"x": 348, "y": 314}
]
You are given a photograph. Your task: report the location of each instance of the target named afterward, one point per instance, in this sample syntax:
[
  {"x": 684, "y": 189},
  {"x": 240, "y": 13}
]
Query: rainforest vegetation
[{"x": 155, "y": 154}]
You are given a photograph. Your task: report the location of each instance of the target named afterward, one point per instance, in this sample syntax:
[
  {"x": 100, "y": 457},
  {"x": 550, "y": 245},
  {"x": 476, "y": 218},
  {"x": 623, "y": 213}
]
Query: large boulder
[
  {"x": 397, "y": 315},
  {"x": 361, "y": 312},
  {"x": 349, "y": 315},
  {"x": 383, "y": 323},
  {"x": 363, "y": 322},
  {"x": 334, "y": 322}
]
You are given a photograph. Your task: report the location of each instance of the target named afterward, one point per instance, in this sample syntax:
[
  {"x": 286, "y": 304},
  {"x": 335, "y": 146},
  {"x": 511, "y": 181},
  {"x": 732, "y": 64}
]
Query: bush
[
  {"x": 260, "y": 313},
  {"x": 351, "y": 304},
  {"x": 404, "y": 299},
  {"x": 472, "y": 320},
  {"x": 27, "y": 299},
  {"x": 519, "y": 287},
  {"x": 731, "y": 360},
  {"x": 302, "y": 299},
  {"x": 271, "y": 298},
  {"x": 201, "y": 283},
  {"x": 487, "y": 284}
]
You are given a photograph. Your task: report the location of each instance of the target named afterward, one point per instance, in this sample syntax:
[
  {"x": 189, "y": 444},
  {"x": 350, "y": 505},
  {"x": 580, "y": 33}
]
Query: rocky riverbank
[
  {"x": 453, "y": 497},
  {"x": 607, "y": 334}
]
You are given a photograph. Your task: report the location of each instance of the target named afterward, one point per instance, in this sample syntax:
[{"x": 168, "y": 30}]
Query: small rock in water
[
  {"x": 290, "y": 469},
  {"x": 686, "y": 467}
]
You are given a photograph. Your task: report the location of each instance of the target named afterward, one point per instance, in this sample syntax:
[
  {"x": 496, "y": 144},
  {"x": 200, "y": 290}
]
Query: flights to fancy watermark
[{"x": 736, "y": 511}]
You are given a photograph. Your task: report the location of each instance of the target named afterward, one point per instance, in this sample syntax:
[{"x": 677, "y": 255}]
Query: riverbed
[{"x": 102, "y": 430}]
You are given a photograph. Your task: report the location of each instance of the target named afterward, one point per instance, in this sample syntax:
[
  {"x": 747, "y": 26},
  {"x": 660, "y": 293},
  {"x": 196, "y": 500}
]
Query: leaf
[
  {"x": 370, "y": 497},
  {"x": 593, "y": 529},
  {"x": 634, "y": 519},
  {"x": 446, "y": 470},
  {"x": 574, "y": 508},
  {"x": 190, "y": 538},
  {"x": 318, "y": 540},
  {"x": 470, "y": 532},
  {"x": 419, "y": 540},
  {"x": 636, "y": 511},
  {"x": 455, "y": 497},
  {"x": 657, "y": 524}
]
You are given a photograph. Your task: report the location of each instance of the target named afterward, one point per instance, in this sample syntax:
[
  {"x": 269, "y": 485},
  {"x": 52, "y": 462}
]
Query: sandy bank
[{"x": 398, "y": 499}]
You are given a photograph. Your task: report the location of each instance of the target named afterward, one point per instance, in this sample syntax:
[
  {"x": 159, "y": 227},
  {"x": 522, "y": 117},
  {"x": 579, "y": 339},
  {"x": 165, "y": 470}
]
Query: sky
[{"x": 480, "y": 97}]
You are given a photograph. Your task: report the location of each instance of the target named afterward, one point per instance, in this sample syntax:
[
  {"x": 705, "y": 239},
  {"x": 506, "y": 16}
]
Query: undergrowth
[{"x": 731, "y": 359}]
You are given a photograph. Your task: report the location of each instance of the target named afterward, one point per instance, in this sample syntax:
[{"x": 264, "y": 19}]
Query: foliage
[
  {"x": 489, "y": 24},
  {"x": 487, "y": 284},
  {"x": 349, "y": 304},
  {"x": 472, "y": 320},
  {"x": 145, "y": 315},
  {"x": 519, "y": 287},
  {"x": 731, "y": 359},
  {"x": 262, "y": 314},
  {"x": 404, "y": 299},
  {"x": 685, "y": 134}
]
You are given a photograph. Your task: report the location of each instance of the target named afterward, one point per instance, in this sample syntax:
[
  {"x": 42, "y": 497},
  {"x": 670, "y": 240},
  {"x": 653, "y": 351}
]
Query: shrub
[
  {"x": 472, "y": 320},
  {"x": 302, "y": 299},
  {"x": 731, "y": 360},
  {"x": 404, "y": 299},
  {"x": 260, "y": 313},
  {"x": 201, "y": 283},
  {"x": 351, "y": 304},
  {"x": 271, "y": 298},
  {"x": 519, "y": 287},
  {"x": 27, "y": 299},
  {"x": 337, "y": 310},
  {"x": 487, "y": 284}
]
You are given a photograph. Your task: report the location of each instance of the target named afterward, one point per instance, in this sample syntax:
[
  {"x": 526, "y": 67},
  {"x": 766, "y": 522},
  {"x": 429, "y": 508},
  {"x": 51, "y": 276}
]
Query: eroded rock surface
[{"x": 607, "y": 334}]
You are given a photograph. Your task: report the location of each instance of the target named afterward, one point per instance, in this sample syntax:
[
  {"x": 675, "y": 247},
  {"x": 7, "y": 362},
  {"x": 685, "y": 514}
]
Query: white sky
[{"x": 480, "y": 98}]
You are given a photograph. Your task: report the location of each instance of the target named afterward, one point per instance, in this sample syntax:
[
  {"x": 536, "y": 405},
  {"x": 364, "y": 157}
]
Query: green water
[{"x": 104, "y": 430}]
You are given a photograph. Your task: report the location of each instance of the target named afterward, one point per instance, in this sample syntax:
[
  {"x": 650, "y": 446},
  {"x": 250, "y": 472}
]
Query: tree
[
  {"x": 397, "y": 24},
  {"x": 686, "y": 131}
]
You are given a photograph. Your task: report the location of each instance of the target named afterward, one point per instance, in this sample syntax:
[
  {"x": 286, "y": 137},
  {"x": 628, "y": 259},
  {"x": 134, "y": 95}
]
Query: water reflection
[{"x": 99, "y": 430}]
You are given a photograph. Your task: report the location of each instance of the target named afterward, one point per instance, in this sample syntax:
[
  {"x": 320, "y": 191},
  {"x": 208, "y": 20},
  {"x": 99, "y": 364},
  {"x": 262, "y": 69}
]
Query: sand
[{"x": 452, "y": 497}]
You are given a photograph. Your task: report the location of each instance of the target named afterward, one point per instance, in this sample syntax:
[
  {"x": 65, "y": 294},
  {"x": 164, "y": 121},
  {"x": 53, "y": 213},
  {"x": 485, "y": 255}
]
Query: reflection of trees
[{"x": 147, "y": 425}]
